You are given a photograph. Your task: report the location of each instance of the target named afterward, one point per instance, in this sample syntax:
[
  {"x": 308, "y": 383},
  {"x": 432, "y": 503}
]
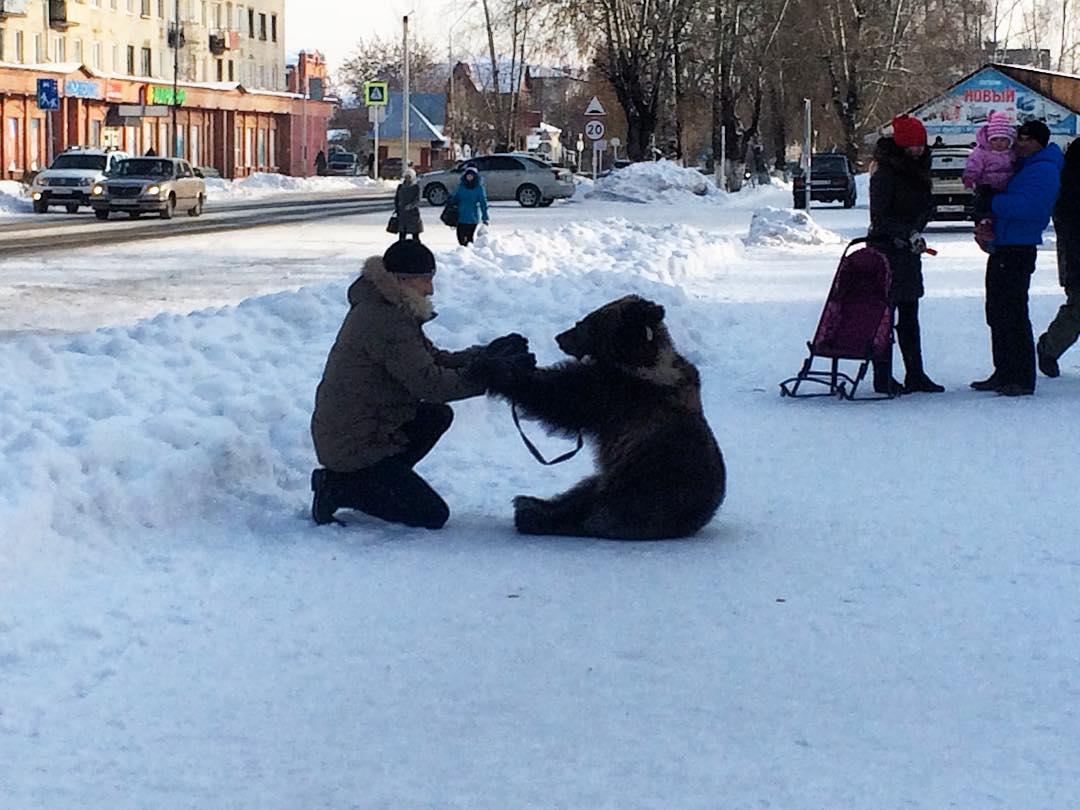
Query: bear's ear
[{"x": 645, "y": 312}]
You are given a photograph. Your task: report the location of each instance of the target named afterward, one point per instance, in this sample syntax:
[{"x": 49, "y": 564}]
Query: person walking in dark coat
[
  {"x": 381, "y": 404},
  {"x": 1063, "y": 331},
  {"x": 1021, "y": 213},
  {"x": 900, "y": 207},
  {"x": 407, "y": 206},
  {"x": 371, "y": 164},
  {"x": 320, "y": 163}
]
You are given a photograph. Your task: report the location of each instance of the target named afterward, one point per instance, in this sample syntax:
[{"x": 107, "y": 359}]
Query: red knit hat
[{"x": 908, "y": 131}]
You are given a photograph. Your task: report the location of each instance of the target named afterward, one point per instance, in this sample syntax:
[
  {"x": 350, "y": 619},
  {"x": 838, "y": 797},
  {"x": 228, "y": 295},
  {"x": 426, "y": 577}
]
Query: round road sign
[{"x": 594, "y": 130}]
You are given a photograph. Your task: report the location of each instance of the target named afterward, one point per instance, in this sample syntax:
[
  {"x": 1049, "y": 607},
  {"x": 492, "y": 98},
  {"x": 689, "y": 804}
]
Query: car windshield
[
  {"x": 831, "y": 164},
  {"x": 144, "y": 167},
  {"x": 93, "y": 162}
]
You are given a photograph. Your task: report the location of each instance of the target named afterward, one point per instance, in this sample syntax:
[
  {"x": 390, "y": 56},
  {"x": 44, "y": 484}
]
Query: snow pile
[
  {"x": 12, "y": 199},
  {"x": 661, "y": 181},
  {"x": 182, "y": 419},
  {"x": 780, "y": 227},
  {"x": 265, "y": 184}
]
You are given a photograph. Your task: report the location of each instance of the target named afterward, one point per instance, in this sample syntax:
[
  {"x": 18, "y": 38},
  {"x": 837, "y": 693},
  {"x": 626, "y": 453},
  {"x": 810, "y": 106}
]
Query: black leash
[{"x": 532, "y": 447}]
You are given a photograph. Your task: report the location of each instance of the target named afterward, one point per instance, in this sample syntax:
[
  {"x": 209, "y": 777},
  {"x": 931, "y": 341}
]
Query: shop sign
[
  {"x": 74, "y": 88},
  {"x": 966, "y": 106},
  {"x": 114, "y": 91},
  {"x": 153, "y": 94}
]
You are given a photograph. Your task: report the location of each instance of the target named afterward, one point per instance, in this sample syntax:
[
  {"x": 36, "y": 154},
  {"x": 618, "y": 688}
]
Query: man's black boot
[
  {"x": 920, "y": 383},
  {"x": 991, "y": 383},
  {"x": 323, "y": 503},
  {"x": 1048, "y": 364}
]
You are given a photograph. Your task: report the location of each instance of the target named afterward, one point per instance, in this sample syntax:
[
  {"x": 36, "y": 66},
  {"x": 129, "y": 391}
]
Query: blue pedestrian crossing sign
[
  {"x": 376, "y": 94},
  {"x": 48, "y": 94}
]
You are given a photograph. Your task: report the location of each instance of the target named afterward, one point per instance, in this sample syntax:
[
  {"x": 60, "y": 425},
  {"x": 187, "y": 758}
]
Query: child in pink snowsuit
[{"x": 989, "y": 167}]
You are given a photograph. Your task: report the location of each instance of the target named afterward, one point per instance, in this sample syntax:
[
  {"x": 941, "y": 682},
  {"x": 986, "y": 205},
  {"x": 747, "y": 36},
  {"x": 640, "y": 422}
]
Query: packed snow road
[{"x": 882, "y": 614}]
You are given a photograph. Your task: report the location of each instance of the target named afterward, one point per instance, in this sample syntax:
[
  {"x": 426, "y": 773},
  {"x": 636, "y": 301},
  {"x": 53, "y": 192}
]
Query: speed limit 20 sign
[{"x": 594, "y": 130}]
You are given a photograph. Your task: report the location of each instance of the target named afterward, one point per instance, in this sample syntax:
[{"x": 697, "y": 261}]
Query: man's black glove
[
  {"x": 497, "y": 373},
  {"x": 506, "y": 346}
]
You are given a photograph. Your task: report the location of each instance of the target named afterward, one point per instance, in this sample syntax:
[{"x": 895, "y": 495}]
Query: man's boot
[
  {"x": 323, "y": 500},
  {"x": 1048, "y": 364}
]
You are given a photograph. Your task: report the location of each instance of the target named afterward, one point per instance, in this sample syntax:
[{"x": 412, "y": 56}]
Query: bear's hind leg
[{"x": 564, "y": 514}]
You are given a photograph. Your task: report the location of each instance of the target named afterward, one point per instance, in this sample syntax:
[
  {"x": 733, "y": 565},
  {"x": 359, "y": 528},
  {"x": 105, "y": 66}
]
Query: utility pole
[
  {"x": 405, "y": 97},
  {"x": 175, "y": 77}
]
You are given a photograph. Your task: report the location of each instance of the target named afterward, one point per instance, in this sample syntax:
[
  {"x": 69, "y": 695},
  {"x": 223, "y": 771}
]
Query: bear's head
[{"x": 628, "y": 331}]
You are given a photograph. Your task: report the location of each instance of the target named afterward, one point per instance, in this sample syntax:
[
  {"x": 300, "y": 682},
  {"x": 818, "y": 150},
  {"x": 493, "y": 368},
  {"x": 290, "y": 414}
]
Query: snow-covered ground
[{"x": 882, "y": 615}]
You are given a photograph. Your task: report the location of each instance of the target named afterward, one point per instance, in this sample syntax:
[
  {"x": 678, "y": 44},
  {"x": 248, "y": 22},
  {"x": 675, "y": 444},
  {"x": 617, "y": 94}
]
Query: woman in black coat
[
  {"x": 407, "y": 206},
  {"x": 1063, "y": 331},
  {"x": 900, "y": 207}
]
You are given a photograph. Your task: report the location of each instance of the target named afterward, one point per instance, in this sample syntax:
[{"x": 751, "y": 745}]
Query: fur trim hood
[{"x": 390, "y": 287}]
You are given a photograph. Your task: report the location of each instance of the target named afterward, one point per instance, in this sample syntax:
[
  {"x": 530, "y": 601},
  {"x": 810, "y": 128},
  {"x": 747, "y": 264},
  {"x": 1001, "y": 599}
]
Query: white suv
[{"x": 73, "y": 173}]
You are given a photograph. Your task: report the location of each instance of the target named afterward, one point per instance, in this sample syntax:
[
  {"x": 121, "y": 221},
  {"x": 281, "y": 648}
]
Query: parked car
[
  {"x": 343, "y": 164},
  {"x": 951, "y": 199},
  {"x": 150, "y": 185},
  {"x": 527, "y": 179},
  {"x": 832, "y": 179},
  {"x": 390, "y": 168},
  {"x": 71, "y": 176}
]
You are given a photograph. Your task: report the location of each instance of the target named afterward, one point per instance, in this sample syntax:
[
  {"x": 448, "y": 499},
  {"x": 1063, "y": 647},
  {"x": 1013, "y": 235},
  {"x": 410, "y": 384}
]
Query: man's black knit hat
[
  {"x": 1036, "y": 130},
  {"x": 408, "y": 257}
]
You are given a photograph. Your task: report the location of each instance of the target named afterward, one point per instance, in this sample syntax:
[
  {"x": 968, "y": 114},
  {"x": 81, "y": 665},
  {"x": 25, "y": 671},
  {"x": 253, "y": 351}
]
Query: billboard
[{"x": 965, "y": 107}]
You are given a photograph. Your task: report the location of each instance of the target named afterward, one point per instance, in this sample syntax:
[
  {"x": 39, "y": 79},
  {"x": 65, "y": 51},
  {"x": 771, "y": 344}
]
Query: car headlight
[
  {"x": 37, "y": 195},
  {"x": 153, "y": 190},
  {"x": 98, "y": 191}
]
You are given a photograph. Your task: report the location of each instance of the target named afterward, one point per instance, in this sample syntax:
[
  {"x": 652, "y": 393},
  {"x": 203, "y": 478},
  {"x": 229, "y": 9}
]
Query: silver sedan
[{"x": 528, "y": 180}]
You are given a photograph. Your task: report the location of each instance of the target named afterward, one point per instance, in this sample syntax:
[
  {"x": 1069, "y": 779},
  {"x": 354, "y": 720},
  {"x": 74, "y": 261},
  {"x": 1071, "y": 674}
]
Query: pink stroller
[{"x": 856, "y": 324}]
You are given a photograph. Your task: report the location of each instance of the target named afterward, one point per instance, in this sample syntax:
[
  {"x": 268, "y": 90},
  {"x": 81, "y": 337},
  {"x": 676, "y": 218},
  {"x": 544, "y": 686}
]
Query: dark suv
[{"x": 831, "y": 180}]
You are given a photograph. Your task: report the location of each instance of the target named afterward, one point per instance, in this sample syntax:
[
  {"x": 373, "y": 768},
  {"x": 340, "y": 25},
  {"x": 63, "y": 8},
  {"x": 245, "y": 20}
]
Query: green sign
[
  {"x": 376, "y": 94},
  {"x": 163, "y": 95}
]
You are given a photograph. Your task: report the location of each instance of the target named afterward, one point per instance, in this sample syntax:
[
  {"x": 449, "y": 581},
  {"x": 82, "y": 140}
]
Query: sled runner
[{"x": 855, "y": 324}]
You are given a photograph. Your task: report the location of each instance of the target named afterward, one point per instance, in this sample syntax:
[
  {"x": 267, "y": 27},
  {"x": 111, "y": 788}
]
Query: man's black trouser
[
  {"x": 390, "y": 489},
  {"x": 1008, "y": 278}
]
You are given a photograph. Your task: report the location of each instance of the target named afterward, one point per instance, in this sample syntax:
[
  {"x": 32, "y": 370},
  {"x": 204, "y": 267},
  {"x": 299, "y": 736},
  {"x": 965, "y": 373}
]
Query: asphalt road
[{"x": 54, "y": 231}]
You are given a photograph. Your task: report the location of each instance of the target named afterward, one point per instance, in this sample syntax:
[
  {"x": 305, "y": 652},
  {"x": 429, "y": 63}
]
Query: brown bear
[{"x": 660, "y": 472}]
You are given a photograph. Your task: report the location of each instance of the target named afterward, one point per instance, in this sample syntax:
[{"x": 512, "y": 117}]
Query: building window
[
  {"x": 261, "y": 150},
  {"x": 13, "y": 144},
  {"x": 146, "y": 8},
  {"x": 95, "y": 133},
  {"x": 251, "y": 23},
  {"x": 130, "y": 6},
  {"x": 116, "y": 58},
  {"x": 262, "y": 27},
  {"x": 220, "y": 70},
  {"x": 39, "y": 49},
  {"x": 204, "y": 18},
  {"x": 131, "y": 60},
  {"x": 231, "y": 77},
  {"x": 95, "y": 55},
  {"x": 249, "y": 147},
  {"x": 273, "y": 149},
  {"x": 35, "y": 143},
  {"x": 78, "y": 51},
  {"x": 113, "y": 4},
  {"x": 59, "y": 49},
  {"x": 19, "y": 56},
  {"x": 217, "y": 15},
  {"x": 1, "y": 44},
  {"x": 195, "y": 158},
  {"x": 161, "y": 8},
  {"x": 163, "y": 145},
  {"x": 273, "y": 27},
  {"x": 147, "y": 62}
]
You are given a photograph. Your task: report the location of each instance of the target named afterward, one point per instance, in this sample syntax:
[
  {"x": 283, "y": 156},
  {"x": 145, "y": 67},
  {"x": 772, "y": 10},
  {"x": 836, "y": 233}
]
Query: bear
[{"x": 660, "y": 473}]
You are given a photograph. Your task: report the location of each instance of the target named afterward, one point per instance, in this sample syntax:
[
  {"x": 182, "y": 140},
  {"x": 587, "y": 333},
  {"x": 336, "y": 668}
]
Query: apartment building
[
  {"x": 116, "y": 62},
  {"x": 220, "y": 42}
]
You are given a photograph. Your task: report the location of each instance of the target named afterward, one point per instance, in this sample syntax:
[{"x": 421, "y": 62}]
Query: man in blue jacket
[{"x": 1021, "y": 214}]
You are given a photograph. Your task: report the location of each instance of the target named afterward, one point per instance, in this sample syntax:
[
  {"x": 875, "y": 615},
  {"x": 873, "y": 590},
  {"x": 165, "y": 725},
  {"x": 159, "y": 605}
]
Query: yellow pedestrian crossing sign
[{"x": 376, "y": 94}]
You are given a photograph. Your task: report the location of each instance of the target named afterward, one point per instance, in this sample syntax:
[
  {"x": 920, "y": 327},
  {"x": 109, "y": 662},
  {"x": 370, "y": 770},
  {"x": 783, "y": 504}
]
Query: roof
[
  {"x": 483, "y": 77},
  {"x": 427, "y": 116}
]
